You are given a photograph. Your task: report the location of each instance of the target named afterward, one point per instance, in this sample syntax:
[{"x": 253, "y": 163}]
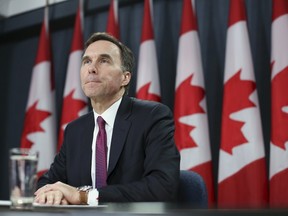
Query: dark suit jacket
[{"x": 144, "y": 161}]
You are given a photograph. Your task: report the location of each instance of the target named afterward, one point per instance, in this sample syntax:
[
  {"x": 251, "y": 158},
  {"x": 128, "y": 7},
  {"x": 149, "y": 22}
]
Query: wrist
[
  {"x": 83, "y": 197},
  {"x": 83, "y": 194}
]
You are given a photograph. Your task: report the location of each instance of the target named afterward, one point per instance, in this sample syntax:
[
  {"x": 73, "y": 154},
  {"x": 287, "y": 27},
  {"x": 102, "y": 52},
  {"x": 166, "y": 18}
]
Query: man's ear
[{"x": 127, "y": 78}]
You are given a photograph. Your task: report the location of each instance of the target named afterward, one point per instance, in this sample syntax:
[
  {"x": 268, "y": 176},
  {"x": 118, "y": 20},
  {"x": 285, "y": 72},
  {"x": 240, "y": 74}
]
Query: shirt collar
[{"x": 110, "y": 114}]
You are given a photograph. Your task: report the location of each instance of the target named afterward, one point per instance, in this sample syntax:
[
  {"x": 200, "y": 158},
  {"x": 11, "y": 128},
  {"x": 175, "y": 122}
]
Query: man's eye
[
  {"x": 86, "y": 61},
  {"x": 104, "y": 60}
]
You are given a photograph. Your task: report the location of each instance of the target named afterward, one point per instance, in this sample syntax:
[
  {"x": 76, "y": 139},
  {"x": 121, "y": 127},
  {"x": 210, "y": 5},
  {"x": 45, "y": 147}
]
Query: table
[{"x": 141, "y": 209}]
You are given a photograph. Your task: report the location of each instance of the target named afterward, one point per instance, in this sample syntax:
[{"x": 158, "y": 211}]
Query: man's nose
[{"x": 92, "y": 68}]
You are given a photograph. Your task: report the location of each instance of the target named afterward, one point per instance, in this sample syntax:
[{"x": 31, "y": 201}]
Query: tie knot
[{"x": 101, "y": 122}]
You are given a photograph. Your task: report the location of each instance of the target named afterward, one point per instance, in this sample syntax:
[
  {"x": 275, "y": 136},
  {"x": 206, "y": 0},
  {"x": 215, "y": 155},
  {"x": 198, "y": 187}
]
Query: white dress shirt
[{"x": 109, "y": 116}]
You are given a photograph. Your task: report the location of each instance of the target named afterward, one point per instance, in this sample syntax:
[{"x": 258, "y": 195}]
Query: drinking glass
[{"x": 23, "y": 177}]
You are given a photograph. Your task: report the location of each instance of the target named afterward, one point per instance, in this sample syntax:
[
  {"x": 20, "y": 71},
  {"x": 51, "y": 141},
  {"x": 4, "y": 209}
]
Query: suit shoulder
[
  {"x": 84, "y": 118},
  {"x": 149, "y": 105}
]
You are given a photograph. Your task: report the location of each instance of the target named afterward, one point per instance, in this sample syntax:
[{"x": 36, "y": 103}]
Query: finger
[
  {"x": 58, "y": 198},
  {"x": 41, "y": 198},
  {"x": 64, "y": 202},
  {"x": 50, "y": 198},
  {"x": 43, "y": 189}
]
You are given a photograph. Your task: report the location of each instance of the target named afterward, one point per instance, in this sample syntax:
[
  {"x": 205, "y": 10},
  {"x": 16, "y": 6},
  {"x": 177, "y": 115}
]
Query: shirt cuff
[{"x": 93, "y": 197}]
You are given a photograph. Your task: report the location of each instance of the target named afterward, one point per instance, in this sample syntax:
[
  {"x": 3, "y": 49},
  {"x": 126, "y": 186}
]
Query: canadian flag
[
  {"x": 279, "y": 106},
  {"x": 148, "y": 87},
  {"x": 191, "y": 121},
  {"x": 242, "y": 180},
  {"x": 112, "y": 24},
  {"x": 39, "y": 132},
  {"x": 74, "y": 100}
]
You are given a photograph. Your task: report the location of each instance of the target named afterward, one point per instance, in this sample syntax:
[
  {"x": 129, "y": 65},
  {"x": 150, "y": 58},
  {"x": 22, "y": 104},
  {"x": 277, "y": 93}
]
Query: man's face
[{"x": 102, "y": 77}]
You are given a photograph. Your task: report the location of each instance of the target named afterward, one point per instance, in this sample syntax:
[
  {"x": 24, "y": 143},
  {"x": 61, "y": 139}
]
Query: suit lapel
[
  {"x": 120, "y": 131},
  {"x": 86, "y": 151}
]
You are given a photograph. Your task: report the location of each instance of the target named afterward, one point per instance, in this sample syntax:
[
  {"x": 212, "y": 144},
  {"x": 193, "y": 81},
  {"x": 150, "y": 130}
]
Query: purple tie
[{"x": 101, "y": 154}]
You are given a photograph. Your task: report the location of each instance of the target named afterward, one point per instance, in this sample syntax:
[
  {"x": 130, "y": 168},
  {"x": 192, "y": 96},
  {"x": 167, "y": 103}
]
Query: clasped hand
[{"x": 57, "y": 194}]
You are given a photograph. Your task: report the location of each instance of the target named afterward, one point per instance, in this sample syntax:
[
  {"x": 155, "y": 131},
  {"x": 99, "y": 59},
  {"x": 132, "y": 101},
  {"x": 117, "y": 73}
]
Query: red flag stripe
[
  {"x": 280, "y": 7},
  {"x": 238, "y": 8},
  {"x": 279, "y": 190},
  {"x": 236, "y": 193},
  {"x": 77, "y": 43},
  {"x": 112, "y": 24},
  {"x": 147, "y": 32},
  {"x": 188, "y": 18},
  {"x": 44, "y": 52}
]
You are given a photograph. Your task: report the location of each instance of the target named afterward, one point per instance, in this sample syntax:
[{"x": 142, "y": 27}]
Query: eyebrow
[
  {"x": 100, "y": 56},
  {"x": 85, "y": 58},
  {"x": 105, "y": 56}
]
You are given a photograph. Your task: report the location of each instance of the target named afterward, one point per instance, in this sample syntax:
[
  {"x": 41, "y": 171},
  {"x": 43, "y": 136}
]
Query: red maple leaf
[
  {"x": 71, "y": 108},
  {"x": 279, "y": 99},
  {"x": 144, "y": 94},
  {"x": 33, "y": 119},
  {"x": 236, "y": 98},
  {"x": 187, "y": 102}
]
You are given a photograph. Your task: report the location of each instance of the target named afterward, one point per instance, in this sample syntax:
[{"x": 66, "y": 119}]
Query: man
[{"x": 142, "y": 159}]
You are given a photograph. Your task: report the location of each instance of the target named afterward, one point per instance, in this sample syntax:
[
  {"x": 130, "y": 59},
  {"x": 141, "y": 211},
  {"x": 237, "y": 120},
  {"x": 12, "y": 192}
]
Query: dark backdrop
[{"x": 19, "y": 40}]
